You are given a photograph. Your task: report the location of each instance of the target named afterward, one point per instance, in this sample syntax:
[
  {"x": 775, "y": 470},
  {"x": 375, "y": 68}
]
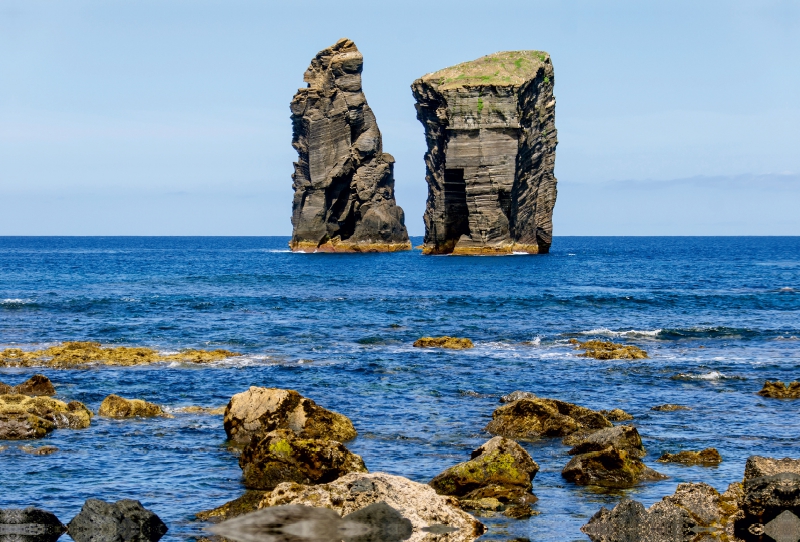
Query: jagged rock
[
  {"x": 609, "y": 467},
  {"x": 343, "y": 181},
  {"x": 428, "y": 512},
  {"x": 260, "y": 410},
  {"x": 534, "y": 418},
  {"x": 499, "y": 469},
  {"x": 282, "y": 456},
  {"x": 455, "y": 343},
  {"x": 669, "y": 408},
  {"x": 616, "y": 415},
  {"x": 29, "y": 525},
  {"x": 609, "y": 350},
  {"x": 35, "y": 386},
  {"x": 123, "y": 521},
  {"x": 771, "y": 496},
  {"x": 516, "y": 396},
  {"x": 115, "y": 406},
  {"x": 622, "y": 437},
  {"x": 490, "y": 130},
  {"x": 23, "y": 417},
  {"x": 709, "y": 456},
  {"x": 779, "y": 390},
  {"x": 41, "y": 450}
]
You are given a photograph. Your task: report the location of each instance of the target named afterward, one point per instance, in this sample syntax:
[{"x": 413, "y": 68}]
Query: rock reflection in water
[
  {"x": 29, "y": 525},
  {"x": 377, "y": 522}
]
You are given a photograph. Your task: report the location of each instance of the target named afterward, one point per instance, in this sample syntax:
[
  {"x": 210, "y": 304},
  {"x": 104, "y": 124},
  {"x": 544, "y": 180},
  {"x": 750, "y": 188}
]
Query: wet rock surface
[
  {"x": 669, "y": 408},
  {"x": 123, "y": 521},
  {"x": 282, "y": 456},
  {"x": 343, "y": 181},
  {"x": 23, "y": 417},
  {"x": 41, "y": 450},
  {"x": 622, "y": 437},
  {"x": 500, "y": 469},
  {"x": 609, "y": 350},
  {"x": 491, "y": 138},
  {"x": 616, "y": 415},
  {"x": 29, "y": 525},
  {"x": 779, "y": 390},
  {"x": 609, "y": 467},
  {"x": 428, "y": 512},
  {"x": 37, "y": 385},
  {"x": 260, "y": 410},
  {"x": 115, "y": 406},
  {"x": 709, "y": 456},
  {"x": 454, "y": 343},
  {"x": 535, "y": 418}
]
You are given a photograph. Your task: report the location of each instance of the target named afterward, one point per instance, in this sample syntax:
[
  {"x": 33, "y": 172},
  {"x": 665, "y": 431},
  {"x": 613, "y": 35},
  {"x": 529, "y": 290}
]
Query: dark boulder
[
  {"x": 622, "y": 437},
  {"x": 609, "y": 467},
  {"x": 771, "y": 501},
  {"x": 123, "y": 521},
  {"x": 534, "y": 418},
  {"x": 29, "y": 525}
]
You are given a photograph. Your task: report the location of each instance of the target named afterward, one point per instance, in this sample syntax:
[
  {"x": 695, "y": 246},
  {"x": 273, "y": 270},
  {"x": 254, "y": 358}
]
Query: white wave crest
[
  {"x": 628, "y": 333},
  {"x": 15, "y": 301}
]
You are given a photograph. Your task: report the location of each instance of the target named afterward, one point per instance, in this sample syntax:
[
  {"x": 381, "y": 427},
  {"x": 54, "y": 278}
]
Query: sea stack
[
  {"x": 343, "y": 181},
  {"x": 491, "y": 135}
]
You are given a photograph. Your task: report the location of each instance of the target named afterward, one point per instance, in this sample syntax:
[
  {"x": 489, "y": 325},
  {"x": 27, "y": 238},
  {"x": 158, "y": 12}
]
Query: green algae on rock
[
  {"x": 535, "y": 418},
  {"x": 606, "y": 350},
  {"x": 115, "y": 406},
  {"x": 77, "y": 354},
  {"x": 453, "y": 343},
  {"x": 709, "y": 456}
]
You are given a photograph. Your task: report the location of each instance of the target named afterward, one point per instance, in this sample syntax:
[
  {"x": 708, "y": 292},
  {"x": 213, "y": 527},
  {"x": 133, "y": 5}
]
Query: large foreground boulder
[
  {"x": 771, "y": 501},
  {"x": 123, "y": 521},
  {"x": 499, "y": 469},
  {"x": 622, "y": 437},
  {"x": 29, "y": 525},
  {"x": 282, "y": 456},
  {"x": 610, "y": 467},
  {"x": 428, "y": 512},
  {"x": 260, "y": 410},
  {"x": 115, "y": 406},
  {"x": 23, "y": 417},
  {"x": 535, "y": 418}
]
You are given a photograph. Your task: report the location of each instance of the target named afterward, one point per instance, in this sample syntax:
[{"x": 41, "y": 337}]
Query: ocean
[{"x": 717, "y": 315}]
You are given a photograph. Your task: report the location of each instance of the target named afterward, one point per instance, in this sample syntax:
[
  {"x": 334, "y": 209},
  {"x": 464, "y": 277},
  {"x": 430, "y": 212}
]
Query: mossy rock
[
  {"x": 707, "y": 457},
  {"x": 453, "y": 343},
  {"x": 779, "y": 390},
  {"x": 606, "y": 350},
  {"x": 115, "y": 406},
  {"x": 23, "y": 417}
]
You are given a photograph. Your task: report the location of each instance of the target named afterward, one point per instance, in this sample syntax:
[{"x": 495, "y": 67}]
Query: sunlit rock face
[
  {"x": 491, "y": 136},
  {"x": 343, "y": 181}
]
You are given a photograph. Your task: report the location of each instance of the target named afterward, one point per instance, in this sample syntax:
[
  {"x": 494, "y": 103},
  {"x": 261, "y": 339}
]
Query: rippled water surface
[{"x": 717, "y": 315}]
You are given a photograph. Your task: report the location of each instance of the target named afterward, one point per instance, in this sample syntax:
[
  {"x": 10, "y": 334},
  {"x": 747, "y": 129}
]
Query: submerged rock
[
  {"x": 37, "y": 385},
  {"x": 260, "y": 410},
  {"x": 779, "y": 390},
  {"x": 455, "y": 343},
  {"x": 428, "y": 512},
  {"x": 115, "y": 406},
  {"x": 23, "y": 417},
  {"x": 516, "y": 396},
  {"x": 211, "y": 411},
  {"x": 609, "y": 350},
  {"x": 248, "y": 502},
  {"x": 616, "y": 415},
  {"x": 622, "y": 437},
  {"x": 491, "y": 137},
  {"x": 29, "y": 525},
  {"x": 282, "y": 456},
  {"x": 343, "y": 181},
  {"x": 535, "y": 418},
  {"x": 499, "y": 469},
  {"x": 669, "y": 408},
  {"x": 41, "y": 450},
  {"x": 709, "y": 456},
  {"x": 609, "y": 467},
  {"x": 123, "y": 521}
]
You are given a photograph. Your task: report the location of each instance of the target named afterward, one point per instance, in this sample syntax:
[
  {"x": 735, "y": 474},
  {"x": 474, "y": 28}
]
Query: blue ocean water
[{"x": 717, "y": 315}]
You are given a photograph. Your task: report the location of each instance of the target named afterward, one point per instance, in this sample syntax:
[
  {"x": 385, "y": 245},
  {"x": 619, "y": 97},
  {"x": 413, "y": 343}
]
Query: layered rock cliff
[
  {"x": 490, "y": 130},
  {"x": 343, "y": 181}
]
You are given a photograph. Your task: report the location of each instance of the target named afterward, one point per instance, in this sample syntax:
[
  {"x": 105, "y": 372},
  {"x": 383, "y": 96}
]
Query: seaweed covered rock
[
  {"x": 779, "y": 390},
  {"x": 491, "y": 138},
  {"x": 428, "y": 512},
  {"x": 260, "y": 410},
  {"x": 499, "y": 469},
  {"x": 23, "y": 417},
  {"x": 115, "y": 406},
  {"x": 535, "y": 418},
  {"x": 343, "y": 181},
  {"x": 123, "y": 521},
  {"x": 609, "y": 467},
  {"x": 454, "y": 343},
  {"x": 35, "y": 386},
  {"x": 29, "y": 525},
  {"x": 622, "y": 437},
  {"x": 604, "y": 350},
  {"x": 281, "y": 456},
  {"x": 709, "y": 456}
]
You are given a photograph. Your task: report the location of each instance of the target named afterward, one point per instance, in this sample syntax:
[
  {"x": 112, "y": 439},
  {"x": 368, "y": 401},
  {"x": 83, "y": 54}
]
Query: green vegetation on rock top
[{"x": 505, "y": 68}]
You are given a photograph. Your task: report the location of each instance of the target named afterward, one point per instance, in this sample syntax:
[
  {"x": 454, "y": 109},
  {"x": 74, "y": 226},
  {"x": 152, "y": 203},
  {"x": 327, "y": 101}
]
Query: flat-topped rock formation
[
  {"x": 490, "y": 130},
  {"x": 343, "y": 181}
]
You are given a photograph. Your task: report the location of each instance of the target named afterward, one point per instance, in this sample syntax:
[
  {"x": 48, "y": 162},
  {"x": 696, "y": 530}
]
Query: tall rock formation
[
  {"x": 490, "y": 129},
  {"x": 343, "y": 181}
]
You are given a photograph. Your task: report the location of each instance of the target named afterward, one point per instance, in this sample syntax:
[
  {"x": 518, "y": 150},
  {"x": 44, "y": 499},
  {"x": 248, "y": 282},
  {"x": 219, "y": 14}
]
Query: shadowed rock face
[
  {"x": 343, "y": 181},
  {"x": 490, "y": 130}
]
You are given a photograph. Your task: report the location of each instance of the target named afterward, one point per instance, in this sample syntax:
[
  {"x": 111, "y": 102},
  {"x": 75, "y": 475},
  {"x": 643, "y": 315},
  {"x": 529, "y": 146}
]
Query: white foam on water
[
  {"x": 15, "y": 301},
  {"x": 628, "y": 333}
]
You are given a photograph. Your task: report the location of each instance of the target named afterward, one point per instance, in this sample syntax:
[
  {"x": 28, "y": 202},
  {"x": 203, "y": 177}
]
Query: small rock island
[
  {"x": 343, "y": 181},
  {"x": 490, "y": 130}
]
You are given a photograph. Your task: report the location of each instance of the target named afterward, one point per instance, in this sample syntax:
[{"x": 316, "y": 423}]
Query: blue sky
[{"x": 171, "y": 117}]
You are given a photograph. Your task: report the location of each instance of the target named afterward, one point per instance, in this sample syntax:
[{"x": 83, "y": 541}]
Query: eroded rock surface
[
  {"x": 37, "y": 385},
  {"x": 282, "y": 456},
  {"x": 622, "y": 437},
  {"x": 23, "y": 417},
  {"x": 123, "y": 521},
  {"x": 343, "y": 181},
  {"x": 606, "y": 350},
  {"x": 499, "y": 469},
  {"x": 260, "y": 410},
  {"x": 609, "y": 467},
  {"x": 115, "y": 406},
  {"x": 616, "y": 415},
  {"x": 535, "y": 418},
  {"x": 779, "y": 390},
  {"x": 454, "y": 343},
  {"x": 771, "y": 500},
  {"x": 491, "y": 136},
  {"x": 709, "y": 456}
]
